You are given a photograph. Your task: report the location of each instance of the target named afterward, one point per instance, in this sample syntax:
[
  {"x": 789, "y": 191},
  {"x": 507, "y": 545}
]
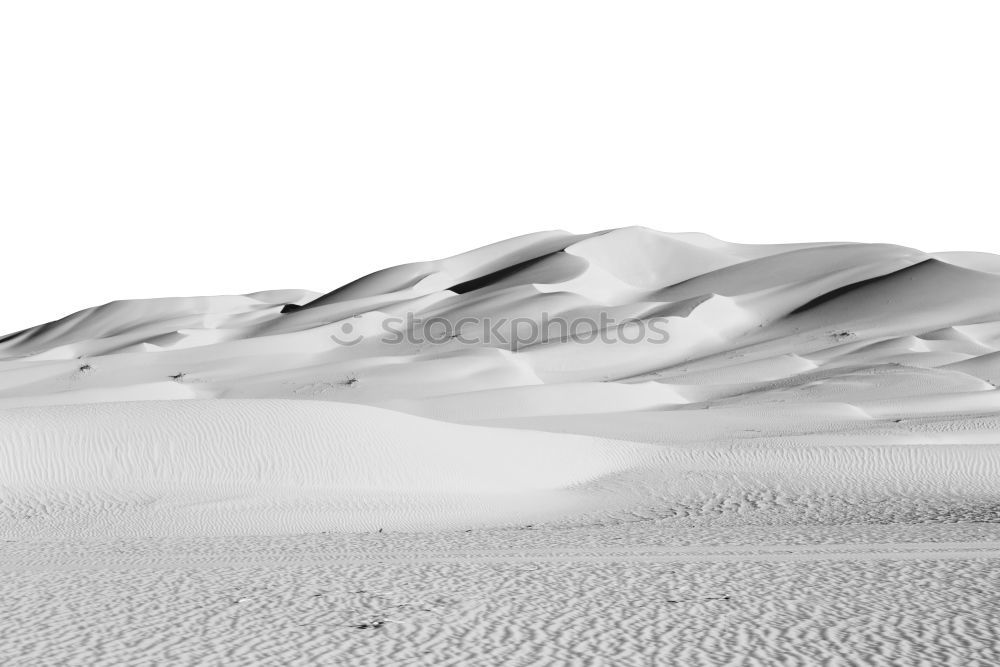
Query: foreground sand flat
[{"x": 631, "y": 595}]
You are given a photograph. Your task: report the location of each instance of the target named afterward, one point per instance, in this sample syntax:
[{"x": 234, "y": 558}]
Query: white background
[{"x": 172, "y": 148}]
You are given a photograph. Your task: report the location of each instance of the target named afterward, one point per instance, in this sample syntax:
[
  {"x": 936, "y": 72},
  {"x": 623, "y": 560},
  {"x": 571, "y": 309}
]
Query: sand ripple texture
[
  {"x": 351, "y": 603},
  {"x": 265, "y": 466},
  {"x": 162, "y": 467},
  {"x": 797, "y": 462}
]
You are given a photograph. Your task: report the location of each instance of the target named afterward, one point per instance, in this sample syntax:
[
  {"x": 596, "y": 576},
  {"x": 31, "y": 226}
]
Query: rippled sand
[
  {"x": 633, "y": 595},
  {"x": 804, "y": 470}
]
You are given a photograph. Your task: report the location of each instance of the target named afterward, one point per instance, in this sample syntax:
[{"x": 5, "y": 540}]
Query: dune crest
[
  {"x": 550, "y": 377},
  {"x": 739, "y": 310}
]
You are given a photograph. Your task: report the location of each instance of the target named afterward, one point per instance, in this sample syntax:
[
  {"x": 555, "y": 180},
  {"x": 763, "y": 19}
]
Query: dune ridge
[
  {"x": 752, "y": 313},
  {"x": 341, "y": 411},
  {"x": 621, "y": 448}
]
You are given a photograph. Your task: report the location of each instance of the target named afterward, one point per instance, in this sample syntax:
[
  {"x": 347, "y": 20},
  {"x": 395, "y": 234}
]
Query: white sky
[{"x": 159, "y": 149}]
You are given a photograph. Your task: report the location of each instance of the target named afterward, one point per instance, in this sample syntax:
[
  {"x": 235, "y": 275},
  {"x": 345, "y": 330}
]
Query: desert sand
[{"x": 621, "y": 448}]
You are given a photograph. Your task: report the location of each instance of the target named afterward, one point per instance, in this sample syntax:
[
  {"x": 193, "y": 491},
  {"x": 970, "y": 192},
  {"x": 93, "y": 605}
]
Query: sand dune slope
[
  {"x": 545, "y": 376},
  {"x": 549, "y": 308},
  {"x": 266, "y": 466},
  {"x": 622, "y": 448}
]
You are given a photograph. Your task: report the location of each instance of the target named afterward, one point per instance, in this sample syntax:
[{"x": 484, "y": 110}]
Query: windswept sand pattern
[
  {"x": 822, "y": 604},
  {"x": 796, "y": 462},
  {"x": 271, "y": 466},
  {"x": 721, "y": 321}
]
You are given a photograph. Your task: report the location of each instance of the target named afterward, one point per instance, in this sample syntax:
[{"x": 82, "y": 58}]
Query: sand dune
[
  {"x": 602, "y": 401},
  {"x": 272, "y": 466},
  {"x": 748, "y": 313},
  {"x": 550, "y": 332}
]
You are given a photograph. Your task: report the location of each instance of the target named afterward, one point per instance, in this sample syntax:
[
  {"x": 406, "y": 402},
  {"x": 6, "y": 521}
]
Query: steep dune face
[
  {"x": 549, "y": 308},
  {"x": 622, "y": 373}
]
